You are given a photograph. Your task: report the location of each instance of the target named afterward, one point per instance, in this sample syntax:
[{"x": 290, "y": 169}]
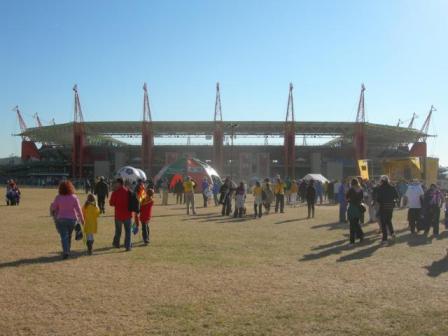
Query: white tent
[{"x": 316, "y": 177}]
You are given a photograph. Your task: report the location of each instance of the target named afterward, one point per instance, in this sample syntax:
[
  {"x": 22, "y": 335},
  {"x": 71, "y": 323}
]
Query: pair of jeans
[
  {"x": 226, "y": 206},
  {"x": 279, "y": 201},
  {"x": 65, "y": 228},
  {"x": 355, "y": 230},
  {"x": 145, "y": 231},
  {"x": 215, "y": 198},
  {"x": 310, "y": 208},
  {"x": 258, "y": 208},
  {"x": 386, "y": 222},
  {"x": 101, "y": 202},
  {"x": 189, "y": 198},
  {"x": 413, "y": 218},
  {"x": 179, "y": 197},
  {"x": 432, "y": 219},
  {"x": 205, "y": 197},
  {"x": 127, "y": 233}
]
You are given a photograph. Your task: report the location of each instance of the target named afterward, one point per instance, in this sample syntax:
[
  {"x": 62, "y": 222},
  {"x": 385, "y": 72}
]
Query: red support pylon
[
  {"x": 218, "y": 134},
  {"x": 147, "y": 134},
  {"x": 359, "y": 138},
  {"x": 290, "y": 137},
  {"x": 78, "y": 137}
]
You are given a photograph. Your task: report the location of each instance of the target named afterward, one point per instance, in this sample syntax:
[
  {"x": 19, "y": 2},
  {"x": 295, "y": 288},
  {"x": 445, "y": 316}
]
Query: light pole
[{"x": 232, "y": 135}]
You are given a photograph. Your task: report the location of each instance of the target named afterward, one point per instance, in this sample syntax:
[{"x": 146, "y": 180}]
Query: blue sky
[{"x": 398, "y": 48}]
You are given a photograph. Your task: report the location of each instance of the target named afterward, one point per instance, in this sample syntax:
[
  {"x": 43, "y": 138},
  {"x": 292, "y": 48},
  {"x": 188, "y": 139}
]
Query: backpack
[{"x": 134, "y": 204}]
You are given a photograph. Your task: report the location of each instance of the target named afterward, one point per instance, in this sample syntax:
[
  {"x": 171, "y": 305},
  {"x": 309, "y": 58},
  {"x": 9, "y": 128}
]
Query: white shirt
[{"x": 413, "y": 196}]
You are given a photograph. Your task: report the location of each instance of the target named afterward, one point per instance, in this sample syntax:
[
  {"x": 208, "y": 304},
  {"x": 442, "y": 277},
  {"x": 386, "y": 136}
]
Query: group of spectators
[
  {"x": 357, "y": 199},
  {"x": 132, "y": 207},
  {"x": 378, "y": 201}
]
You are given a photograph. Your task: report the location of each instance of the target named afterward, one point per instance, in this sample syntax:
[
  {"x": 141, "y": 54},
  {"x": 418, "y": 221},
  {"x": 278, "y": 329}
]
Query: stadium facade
[{"x": 83, "y": 149}]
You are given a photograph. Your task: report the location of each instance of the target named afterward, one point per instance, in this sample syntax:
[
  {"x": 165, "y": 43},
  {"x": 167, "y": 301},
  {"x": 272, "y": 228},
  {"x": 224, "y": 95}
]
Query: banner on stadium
[{"x": 363, "y": 169}]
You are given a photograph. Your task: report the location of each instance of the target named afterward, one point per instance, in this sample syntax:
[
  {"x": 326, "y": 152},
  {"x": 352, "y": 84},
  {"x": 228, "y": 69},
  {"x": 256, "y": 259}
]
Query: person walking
[
  {"x": 413, "y": 199},
  {"x": 189, "y": 195},
  {"x": 164, "y": 187},
  {"x": 66, "y": 211},
  {"x": 258, "y": 199},
  {"x": 319, "y": 191},
  {"x": 267, "y": 195},
  {"x": 226, "y": 197},
  {"x": 205, "y": 191},
  {"x": 215, "y": 189},
  {"x": 240, "y": 198},
  {"x": 179, "y": 191},
  {"x": 120, "y": 199},
  {"x": 91, "y": 213},
  {"x": 311, "y": 198},
  {"x": 432, "y": 201},
  {"x": 146, "y": 214},
  {"x": 386, "y": 197},
  {"x": 279, "y": 191},
  {"x": 293, "y": 191},
  {"x": 340, "y": 198},
  {"x": 101, "y": 191},
  {"x": 355, "y": 210}
]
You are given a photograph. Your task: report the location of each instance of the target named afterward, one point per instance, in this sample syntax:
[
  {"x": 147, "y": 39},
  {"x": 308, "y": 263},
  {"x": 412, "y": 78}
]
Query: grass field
[{"x": 209, "y": 275}]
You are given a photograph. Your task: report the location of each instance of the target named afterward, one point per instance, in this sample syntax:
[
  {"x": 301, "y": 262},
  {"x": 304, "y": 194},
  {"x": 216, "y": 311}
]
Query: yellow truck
[{"x": 421, "y": 168}]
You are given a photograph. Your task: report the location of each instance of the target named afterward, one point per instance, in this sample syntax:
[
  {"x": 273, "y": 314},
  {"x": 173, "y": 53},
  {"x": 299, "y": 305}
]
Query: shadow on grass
[
  {"x": 332, "y": 226},
  {"x": 56, "y": 257},
  {"x": 437, "y": 267},
  {"x": 293, "y": 220},
  {"x": 360, "y": 252}
]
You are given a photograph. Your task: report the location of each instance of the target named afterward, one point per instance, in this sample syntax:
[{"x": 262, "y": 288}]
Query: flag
[
  {"x": 416, "y": 162},
  {"x": 363, "y": 169}
]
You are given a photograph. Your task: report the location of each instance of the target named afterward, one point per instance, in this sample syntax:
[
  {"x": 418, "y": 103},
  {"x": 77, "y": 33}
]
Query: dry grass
[{"x": 209, "y": 275}]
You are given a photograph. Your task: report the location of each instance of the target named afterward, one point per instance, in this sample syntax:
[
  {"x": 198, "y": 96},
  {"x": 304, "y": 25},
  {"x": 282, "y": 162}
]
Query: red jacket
[
  {"x": 120, "y": 200},
  {"x": 146, "y": 211}
]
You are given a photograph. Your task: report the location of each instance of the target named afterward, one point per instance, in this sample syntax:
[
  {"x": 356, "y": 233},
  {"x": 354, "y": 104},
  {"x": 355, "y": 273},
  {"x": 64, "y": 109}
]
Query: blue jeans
[
  {"x": 127, "y": 233},
  {"x": 65, "y": 228}
]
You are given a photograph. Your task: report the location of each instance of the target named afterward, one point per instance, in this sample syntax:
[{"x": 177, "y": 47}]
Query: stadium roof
[{"x": 104, "y": 131}]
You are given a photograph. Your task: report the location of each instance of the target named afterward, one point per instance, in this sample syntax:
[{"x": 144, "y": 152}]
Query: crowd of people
[{"x": 359, "y": 201}]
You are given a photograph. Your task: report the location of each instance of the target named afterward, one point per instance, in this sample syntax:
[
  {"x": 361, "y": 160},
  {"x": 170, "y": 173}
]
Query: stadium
[{"x": 83, "y": 149}]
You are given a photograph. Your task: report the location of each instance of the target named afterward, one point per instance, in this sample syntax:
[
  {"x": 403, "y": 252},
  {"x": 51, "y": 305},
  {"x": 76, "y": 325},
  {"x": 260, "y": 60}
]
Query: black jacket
[
  {"x": 386, "y": 196},
  {"x": 102, "y": 189}
]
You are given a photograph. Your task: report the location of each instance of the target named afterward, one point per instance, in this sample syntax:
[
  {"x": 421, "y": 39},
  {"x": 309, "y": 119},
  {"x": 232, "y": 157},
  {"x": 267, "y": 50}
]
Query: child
[
  {"x": 258, "y": 199},
  {"x": 146, "y": 213},
  {"x": 240, "y": 198},
  {"x": 91, "y": 213}
]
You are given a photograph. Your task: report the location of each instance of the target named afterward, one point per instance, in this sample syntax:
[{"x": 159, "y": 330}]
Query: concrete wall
[
  {"x": 316, "y": 163},
  {"x": 101, "y": 168},
  {"x": 335, "y": 170},
  {"x": 121, "y": 160}
]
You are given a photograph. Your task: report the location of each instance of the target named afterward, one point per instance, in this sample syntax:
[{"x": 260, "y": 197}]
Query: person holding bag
[
  {"x": 67, "y": 211},
  {"x": 355, "y": 211}
]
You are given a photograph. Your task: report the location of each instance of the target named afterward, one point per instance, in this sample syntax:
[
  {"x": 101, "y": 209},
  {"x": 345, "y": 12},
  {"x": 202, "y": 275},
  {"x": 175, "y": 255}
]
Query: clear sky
[{"x": 398, "y": 48}]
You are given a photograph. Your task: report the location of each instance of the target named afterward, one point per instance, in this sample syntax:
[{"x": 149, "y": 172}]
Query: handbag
[
  {"x": 362, "y": 207},
  {"x": 78, "y": 231}
]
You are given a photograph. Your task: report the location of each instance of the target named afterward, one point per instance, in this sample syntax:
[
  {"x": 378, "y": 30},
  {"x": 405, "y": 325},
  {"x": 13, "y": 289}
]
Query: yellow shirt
[
  {"x": 279, "y": 188},
  {"x": 257, "y": 191},
  {"x": 91, "y": 213},
  {"x": 188, "y": 186},
  {"x": 294, "y": 189}
]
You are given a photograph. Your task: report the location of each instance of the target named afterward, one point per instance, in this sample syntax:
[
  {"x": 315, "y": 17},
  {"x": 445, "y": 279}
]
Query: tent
[
  {"x": 192, "y": 167},
  {"x": 315, "y": 177}
]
